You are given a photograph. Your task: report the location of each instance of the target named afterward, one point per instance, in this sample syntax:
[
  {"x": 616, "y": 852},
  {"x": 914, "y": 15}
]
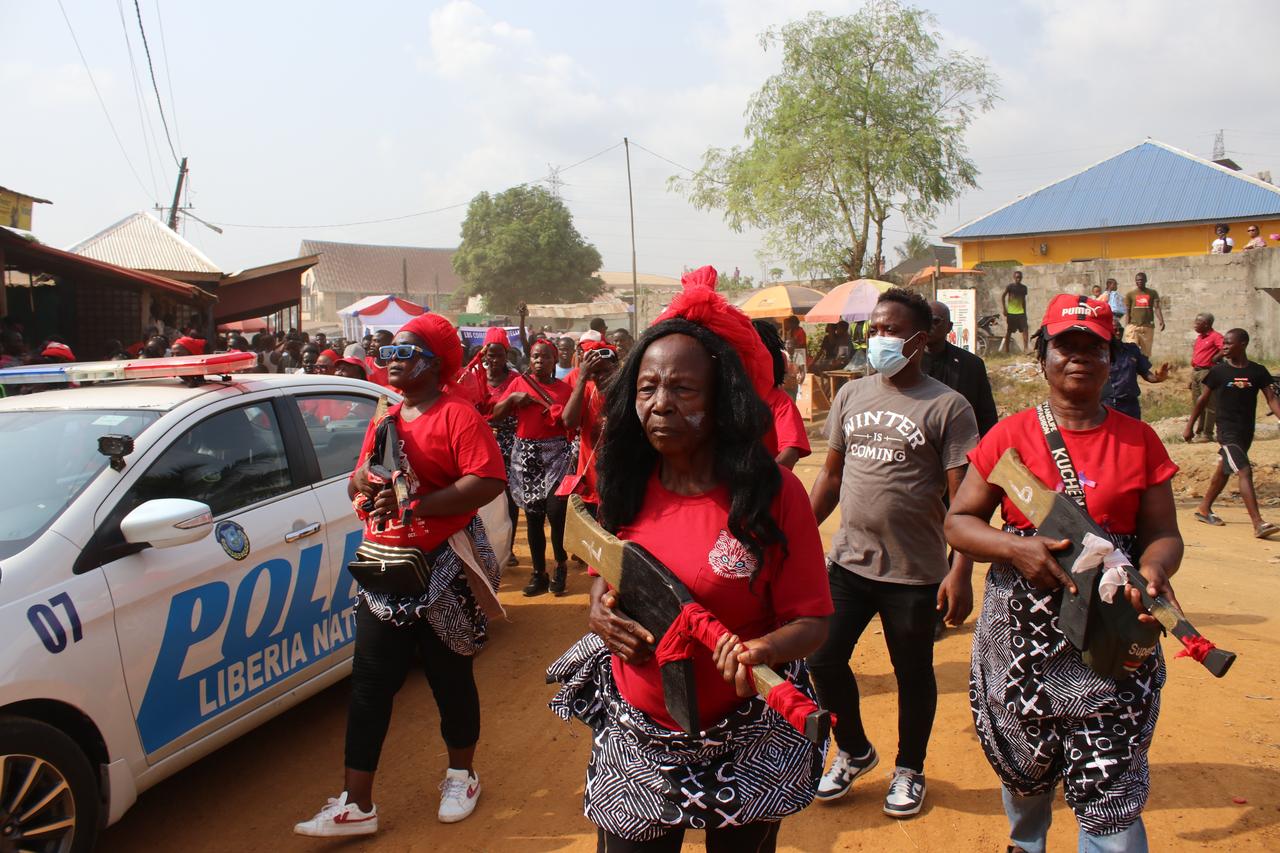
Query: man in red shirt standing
[{"x": 1205, "y": 351}]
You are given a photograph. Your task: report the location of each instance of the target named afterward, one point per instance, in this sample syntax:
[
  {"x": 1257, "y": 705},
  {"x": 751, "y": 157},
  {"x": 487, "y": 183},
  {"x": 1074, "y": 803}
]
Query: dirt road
[{"x": 1215, "y": 762}]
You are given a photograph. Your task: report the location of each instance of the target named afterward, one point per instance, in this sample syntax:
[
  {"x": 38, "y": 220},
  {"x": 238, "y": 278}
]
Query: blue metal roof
[{"x": 1150, "y": 184}]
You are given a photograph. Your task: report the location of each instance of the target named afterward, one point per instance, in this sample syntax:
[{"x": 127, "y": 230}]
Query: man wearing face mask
[{"x": 897, "y": 443}]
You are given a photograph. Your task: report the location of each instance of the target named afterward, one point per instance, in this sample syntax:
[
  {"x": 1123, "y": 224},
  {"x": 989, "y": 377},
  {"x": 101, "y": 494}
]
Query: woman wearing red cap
[
  {"x": 540, "y": 457},
  {"x": 487, "y": 380},
  {"x": 683, "y": 472},
  {"x": 1041, "y": 712},
  {"x": 436, "y": 611}
]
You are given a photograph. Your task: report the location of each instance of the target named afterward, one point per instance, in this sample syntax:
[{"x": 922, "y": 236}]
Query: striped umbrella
[
  {"x": 852, "y": 301},
  {"x": 781, "y": 300}
]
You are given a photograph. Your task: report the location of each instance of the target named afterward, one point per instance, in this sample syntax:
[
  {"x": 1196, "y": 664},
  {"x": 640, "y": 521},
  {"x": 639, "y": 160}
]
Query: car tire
[{"x": 55, "y": 786}]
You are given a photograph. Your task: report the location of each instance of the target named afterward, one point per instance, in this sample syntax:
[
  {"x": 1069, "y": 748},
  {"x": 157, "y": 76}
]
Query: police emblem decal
[{"x": 233, "y": 539}]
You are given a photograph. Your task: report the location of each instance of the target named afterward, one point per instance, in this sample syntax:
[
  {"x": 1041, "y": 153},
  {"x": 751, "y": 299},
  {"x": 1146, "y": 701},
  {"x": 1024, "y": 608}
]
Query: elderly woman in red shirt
[{"x": 683, "y": 472}]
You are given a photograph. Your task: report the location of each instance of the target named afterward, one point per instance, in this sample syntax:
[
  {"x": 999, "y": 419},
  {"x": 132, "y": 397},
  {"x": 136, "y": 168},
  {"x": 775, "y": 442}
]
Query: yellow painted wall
[
  {"x": 15, "y": 210},
  {"x": 1144, "y": 243}
]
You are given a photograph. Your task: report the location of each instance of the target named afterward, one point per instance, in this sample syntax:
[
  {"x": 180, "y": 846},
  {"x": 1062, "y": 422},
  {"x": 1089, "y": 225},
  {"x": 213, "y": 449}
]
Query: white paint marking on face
[
  {"x": 419, "y": 365},
  {"x": 695, "y": 420}
]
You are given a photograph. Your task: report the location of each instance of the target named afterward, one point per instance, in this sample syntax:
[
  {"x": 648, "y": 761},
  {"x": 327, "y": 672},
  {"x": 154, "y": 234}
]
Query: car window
[
  {"x": 230, "y": 460},
  {"x": 48, "y": 457},
  {"x": 336, "y": 424}
]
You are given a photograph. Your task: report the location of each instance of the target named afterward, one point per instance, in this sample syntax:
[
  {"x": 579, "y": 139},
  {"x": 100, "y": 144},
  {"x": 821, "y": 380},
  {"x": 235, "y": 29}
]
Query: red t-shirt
[
  {"x": 788, "y": 427},
  {"x": 374, "y": 372},
  {"x": 1115, "y": 461},
  {"x": 589, "y": 428},
  {"x": 440, "y": 446},
  {"x": 1205, "y": 349},
  {"x": 474, "y": 384},
  {"x": 532, "y": 420},
  {"x": 690, "y": 536},
  {"x": 325, "y": 409}
]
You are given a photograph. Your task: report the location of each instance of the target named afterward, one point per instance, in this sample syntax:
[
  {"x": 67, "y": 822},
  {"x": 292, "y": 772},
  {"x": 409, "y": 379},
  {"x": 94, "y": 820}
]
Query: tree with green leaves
[
  {"x": 915, "y": 246},
  {"x": 866, "y": 119},
  {"x": 521, "y": 246}
]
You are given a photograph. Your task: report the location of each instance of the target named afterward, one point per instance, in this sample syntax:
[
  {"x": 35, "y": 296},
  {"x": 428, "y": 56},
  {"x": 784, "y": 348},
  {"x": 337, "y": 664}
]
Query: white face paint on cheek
[
  {"x": 419, "y": 366},
  {"x": 695, "y": 420}
]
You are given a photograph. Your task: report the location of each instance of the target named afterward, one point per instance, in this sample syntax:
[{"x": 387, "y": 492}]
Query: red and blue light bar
[{"x": 137, "y": 368}]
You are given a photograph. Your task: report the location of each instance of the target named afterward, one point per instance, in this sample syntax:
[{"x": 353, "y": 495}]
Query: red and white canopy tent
[{"x": 377, "y": 312}]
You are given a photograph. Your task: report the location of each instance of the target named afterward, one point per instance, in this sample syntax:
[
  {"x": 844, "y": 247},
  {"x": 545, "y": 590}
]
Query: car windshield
[{"x": 48, "y": 457}]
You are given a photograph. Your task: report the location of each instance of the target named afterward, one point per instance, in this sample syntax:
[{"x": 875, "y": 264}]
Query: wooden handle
[{"x": 1032, "y": 498}]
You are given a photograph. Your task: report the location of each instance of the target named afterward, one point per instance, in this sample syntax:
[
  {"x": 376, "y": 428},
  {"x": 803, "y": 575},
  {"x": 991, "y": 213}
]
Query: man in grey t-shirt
[{"x": 897, "y": 443}]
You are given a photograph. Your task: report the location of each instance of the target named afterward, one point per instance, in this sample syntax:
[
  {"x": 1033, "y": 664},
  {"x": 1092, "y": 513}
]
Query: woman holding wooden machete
[
  {"x": 1040, "y": 711},
  {"x": 683, "y": 472},
  {"x": 453, "y": 468}
]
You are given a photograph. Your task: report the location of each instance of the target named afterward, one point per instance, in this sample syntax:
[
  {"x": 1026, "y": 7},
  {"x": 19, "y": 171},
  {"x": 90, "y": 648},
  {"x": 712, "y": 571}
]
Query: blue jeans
[{"x": 1029, "y": 819}]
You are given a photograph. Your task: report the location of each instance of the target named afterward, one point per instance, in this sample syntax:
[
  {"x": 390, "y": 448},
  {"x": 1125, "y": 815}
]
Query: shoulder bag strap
[{"x": 1061, "y": 458}]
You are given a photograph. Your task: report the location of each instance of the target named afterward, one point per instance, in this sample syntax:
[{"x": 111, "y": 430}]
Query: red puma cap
[{"x": 1067, "y": 313}]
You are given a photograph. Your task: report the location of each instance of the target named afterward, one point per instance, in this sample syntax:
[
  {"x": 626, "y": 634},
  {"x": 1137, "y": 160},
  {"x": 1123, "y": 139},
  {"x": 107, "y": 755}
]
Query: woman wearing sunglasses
[
  {"x": 540, "y": 457},
  {"x": 438, "y": 612}
]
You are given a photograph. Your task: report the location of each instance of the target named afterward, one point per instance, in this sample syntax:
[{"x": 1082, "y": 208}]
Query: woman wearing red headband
[
  {"x": 487, "y": 379},
  {"x": 683, "y": 472},
  {"x": 435, "y": 590},
  {"x": 540, "y": 457}
]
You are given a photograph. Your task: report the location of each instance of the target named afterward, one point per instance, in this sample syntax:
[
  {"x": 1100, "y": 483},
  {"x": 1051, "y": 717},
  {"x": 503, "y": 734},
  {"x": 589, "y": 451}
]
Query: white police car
[{"x": 172, "y": 574}]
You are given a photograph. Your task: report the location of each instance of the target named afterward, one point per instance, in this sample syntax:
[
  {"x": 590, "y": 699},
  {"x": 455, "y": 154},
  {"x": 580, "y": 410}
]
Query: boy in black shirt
[{"x": 1236, "y": 381}]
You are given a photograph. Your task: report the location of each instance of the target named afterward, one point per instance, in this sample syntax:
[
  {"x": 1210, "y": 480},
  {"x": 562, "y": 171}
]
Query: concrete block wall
[{"x": 1241, "y": 290}]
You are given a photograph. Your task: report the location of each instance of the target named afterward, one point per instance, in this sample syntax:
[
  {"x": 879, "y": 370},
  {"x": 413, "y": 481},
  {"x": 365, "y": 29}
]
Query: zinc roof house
[
  {"x": 141, "y": 242},
  {"x": 1150, "y": 201},
  {"x": 347, "y": 272}
]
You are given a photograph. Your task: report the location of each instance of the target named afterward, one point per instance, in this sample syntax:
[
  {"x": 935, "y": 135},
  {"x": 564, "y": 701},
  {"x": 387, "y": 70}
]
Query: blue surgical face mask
[{"x": 884, "y": 353}]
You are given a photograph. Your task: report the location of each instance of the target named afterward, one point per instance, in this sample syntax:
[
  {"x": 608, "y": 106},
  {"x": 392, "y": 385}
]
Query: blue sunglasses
[{"x": 403, "y": 352}]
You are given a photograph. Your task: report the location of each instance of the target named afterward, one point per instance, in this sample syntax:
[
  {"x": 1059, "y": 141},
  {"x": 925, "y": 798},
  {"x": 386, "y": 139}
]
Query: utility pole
[
  {"x": 177, "y": 193},
  {"x": 635, "y": 287},
  {"x": 404, "y": 275}
]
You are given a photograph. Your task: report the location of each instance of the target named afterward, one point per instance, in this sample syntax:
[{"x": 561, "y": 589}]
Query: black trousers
[
  {"x": 907, "y": 614},
  {"x": 749, "y": 838},
  {"x": 383, "y": 655},
  {"x": 556, "y": 508}
]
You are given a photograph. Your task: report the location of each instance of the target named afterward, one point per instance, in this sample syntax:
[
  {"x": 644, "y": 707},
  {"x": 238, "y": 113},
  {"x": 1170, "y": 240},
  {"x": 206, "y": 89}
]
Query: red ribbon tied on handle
[
  {"x": 1197, "y": 648},
  {"x": 695, "y": 627}
]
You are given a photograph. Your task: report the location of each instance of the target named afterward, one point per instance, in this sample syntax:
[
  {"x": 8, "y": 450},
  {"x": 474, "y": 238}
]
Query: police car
[{"x": 172, "y": 574}]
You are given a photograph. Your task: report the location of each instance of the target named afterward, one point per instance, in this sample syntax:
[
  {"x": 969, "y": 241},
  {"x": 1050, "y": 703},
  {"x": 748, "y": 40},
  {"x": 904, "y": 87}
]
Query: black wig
[
  {"x": 626, "y": 460},
  {"x": 773, "y": 343}
]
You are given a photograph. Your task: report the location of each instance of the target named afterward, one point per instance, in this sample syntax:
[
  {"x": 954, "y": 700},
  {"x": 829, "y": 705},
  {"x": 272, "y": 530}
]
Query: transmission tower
[{"x": 1219, "y": 147}]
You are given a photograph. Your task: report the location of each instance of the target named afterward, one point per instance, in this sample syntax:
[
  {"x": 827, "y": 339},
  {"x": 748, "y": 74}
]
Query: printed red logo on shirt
[
  {"x": 1142, "y": 300},
  {"x": 729, "y": 558}
]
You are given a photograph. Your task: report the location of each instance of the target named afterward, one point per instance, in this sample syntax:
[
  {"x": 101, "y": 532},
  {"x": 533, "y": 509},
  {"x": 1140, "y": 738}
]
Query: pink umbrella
[{"x": 852, "y": 301}]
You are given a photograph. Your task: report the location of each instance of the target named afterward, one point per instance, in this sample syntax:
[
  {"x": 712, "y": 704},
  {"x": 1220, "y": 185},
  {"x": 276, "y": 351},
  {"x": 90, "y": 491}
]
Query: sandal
[
  {"x": 1210, "y": 518},
  {"x": 1266, "y": 530}
]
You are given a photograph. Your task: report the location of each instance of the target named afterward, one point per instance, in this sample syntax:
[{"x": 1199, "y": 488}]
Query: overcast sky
[{"x": 316, "y": 113}]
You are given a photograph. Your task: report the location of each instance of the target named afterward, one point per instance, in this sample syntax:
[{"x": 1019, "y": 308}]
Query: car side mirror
[{"x": 166, "y": 522}]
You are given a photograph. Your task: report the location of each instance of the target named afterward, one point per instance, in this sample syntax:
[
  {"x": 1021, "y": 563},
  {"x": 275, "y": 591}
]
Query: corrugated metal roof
[
  {"x": 1149, "y": 184},
  {"x": 141, "y": 242},
  {"x": 366, "y": 268}
]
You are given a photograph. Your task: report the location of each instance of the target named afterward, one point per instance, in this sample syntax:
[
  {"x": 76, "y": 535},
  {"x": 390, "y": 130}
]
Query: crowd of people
[{"x": 682, "y": 441}]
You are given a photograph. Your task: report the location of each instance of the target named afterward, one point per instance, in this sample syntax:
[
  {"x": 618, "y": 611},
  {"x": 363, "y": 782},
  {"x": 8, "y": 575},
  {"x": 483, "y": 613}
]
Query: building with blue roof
[{"x": 1151, "y": 201}]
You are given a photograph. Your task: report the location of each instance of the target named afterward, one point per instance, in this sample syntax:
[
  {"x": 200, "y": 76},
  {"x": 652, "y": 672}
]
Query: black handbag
[{"x": 391, "y": 570}]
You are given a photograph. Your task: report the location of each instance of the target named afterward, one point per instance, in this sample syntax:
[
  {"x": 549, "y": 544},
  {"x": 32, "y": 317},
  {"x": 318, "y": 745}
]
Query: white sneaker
[
  {"x": 835, "y": 783},
  {"x": 339, "y": 817},
  {"x": 906, "y": 793},
  {"x": 458, "y": 795}
]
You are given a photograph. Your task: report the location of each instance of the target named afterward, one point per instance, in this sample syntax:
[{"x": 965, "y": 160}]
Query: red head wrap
[
  {"x": 195, "y": 346},
  {"x": 495, "y": 335},
  {"x": 57, "y": 349},
  {"x": 441, "y": 338},
  {"x": 699, "y": 303},
  {"x": 330, "y": 354}
]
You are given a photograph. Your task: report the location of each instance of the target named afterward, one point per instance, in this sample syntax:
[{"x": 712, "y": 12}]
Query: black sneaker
[
  {"x": 558, "y": 580},
  {"x": 906, "y": 793},
  {"x": 537, "y": 584},
  {"x": 835, "y": 783}
]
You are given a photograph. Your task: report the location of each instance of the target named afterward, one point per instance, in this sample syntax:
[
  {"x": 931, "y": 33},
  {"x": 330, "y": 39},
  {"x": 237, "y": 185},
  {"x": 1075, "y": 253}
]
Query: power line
[
  {"x": 416, "y": 213},
  {"x": 102, "y": 103},
  {"x": 154, "y": 87},
  {"x": 664, "y": 159},
  {"x": 145, "y": 128},
  {"x": 168, "y": 76}
]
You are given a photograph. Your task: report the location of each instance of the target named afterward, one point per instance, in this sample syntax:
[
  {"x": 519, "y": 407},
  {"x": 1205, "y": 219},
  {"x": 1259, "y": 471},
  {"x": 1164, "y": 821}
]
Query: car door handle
[{"x": 302, "y": 532}]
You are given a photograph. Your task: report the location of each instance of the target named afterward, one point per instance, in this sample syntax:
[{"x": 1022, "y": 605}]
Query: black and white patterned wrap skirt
[
  {"x": 538, "y": 465},
  {"x": 1043, "y": 715},
  {"x": 504, "y": 431},
  {"x": 448, "y": 605},
  {"x": 644, "y": 780}
]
